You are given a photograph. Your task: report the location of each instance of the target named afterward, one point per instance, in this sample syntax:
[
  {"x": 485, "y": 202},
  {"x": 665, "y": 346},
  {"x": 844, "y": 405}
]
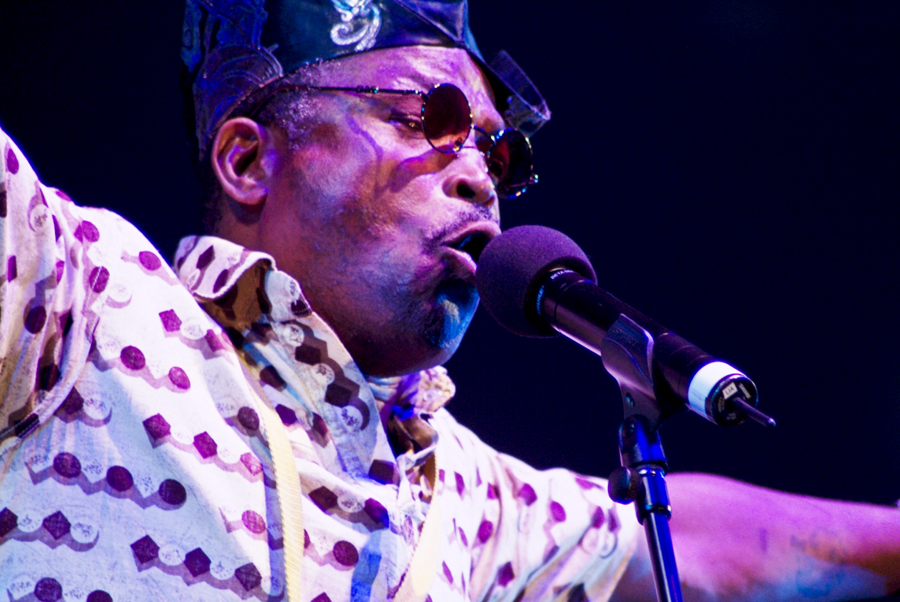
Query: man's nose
[{"x": 470, "y": 180}]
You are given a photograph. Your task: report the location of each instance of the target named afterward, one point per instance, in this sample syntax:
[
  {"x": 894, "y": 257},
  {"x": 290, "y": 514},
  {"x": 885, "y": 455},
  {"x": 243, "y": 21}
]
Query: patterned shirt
[{"x": 134, "y": 464}]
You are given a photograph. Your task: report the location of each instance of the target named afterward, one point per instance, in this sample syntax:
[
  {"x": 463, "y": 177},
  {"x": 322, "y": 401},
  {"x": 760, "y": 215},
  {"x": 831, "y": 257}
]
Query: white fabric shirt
[{"x": 134, "y": 465}]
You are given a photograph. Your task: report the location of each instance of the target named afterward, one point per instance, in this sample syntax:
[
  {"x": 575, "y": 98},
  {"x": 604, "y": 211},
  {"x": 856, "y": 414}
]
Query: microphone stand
[{"x": 627, "y": 354}]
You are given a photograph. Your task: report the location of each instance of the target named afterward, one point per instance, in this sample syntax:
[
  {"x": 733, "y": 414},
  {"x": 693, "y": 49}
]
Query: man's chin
[
  {"x": 454, "y": 308},
  {"x": 412, "y": 349}
]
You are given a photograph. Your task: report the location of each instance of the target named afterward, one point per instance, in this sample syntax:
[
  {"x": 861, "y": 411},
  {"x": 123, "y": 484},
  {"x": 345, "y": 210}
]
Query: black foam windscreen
[{"x": 512, "y": 268}]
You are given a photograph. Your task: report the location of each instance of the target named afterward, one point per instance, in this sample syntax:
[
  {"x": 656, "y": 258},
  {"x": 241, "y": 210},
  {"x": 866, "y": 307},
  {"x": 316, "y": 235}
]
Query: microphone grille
[{"x": 512, "y": 268}]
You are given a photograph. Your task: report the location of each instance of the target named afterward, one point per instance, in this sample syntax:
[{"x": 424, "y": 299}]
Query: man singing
[{"x": 266, "y": 420}]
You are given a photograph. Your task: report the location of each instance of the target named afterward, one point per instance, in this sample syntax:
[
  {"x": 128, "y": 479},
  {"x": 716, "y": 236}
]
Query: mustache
[{"x": 475, "y": 213}]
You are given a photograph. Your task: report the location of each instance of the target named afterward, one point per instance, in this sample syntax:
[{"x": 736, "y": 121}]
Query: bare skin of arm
[{"x": 735, "y": 541}]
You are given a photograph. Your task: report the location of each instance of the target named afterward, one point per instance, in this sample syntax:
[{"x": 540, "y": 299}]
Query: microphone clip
[{"x": 627, "y": 354}]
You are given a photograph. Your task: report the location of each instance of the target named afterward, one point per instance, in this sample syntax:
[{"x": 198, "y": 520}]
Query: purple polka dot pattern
[
  {"x": 157, "y": 427},
  {"x": 287, "y": 415},
  {"x": 98, "y": 595},
  {"x": 485, "y": 530},
  {"x": 492, "y": 492},
  {"x": 308, "y": 355},
  {"x": 324, "y": 498},
  {"x": 132, "y": 358},
  {"x": 118, "y": 478},
  {"x": 57, "y": 525},
  {"x": 170, "y": 321},
  {"x": 253, "y": 521},
  {"x": 252, "y": 464},
  {"x": 179, "y": 378},
  {"x": 205, "y": 258},
  {"x": 12, "y": 162},
  {"x": 527, "y": 494},
  {"x": 89, "y": 232},
  {"x": 345, "y": 553},
  {"x": 11, "y": 269},
  {"x": 99, "y": 278},
  {"x": 221, "y": 281},
  {"x": 205, "y": 445},
  {"x": 48, "y": 377},
  {"x": 213, "y": 341},
  {"x": 447, "y": 574},
  {"x": 172, "y": 492},
  {"x": 384, "y": 472},
  {"x": 149, "y": 260},
  {"x": 613, "y": 522},
  {"x": 377, "y": 512},
  {"x": 323, "y": 597},
  {"x": 48, "y": 590},
  {"x": 248, "y": 418},
  {"x": 66, "y": 465},
  {"x": 460, "y": 483},
  {"x": 145, "y": 549},
  {"x": 35, "y": 319},
  {"x": 270, "y": 376},
  {"x": 197, "y": 562},
  {"x": 248, "y": 576},
  {"x": 337, "y": 395},
  {"x": 598, "y": 519},
  {"x": 319, "y": 425},
  {"x": 8, "y": 521},
  {"x": 505, "y": 575},
  {"x": 557, "y": 512}
]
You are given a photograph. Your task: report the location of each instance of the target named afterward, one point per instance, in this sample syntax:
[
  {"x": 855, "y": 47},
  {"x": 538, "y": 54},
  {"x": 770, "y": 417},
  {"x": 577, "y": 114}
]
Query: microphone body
[
  {"x": 681, "y": 372},
  {"x": 535, "y": 280}
]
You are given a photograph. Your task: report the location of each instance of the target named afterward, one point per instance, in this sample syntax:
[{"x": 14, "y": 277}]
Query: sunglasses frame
[{"x": 505, "y": 191}]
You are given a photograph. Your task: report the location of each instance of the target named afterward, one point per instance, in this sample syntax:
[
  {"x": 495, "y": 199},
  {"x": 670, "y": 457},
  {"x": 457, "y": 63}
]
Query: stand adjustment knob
[{"x": 624, "y": 485}]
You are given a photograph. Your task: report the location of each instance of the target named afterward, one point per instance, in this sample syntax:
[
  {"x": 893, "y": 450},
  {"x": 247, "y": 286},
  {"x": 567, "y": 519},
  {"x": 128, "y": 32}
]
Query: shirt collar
[{"x": 211, "y": 269}]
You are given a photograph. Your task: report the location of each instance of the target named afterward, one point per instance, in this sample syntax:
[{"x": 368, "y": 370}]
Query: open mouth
[
  {"x": 472, "y": 244},
  {"x": 464, "y": 247}
]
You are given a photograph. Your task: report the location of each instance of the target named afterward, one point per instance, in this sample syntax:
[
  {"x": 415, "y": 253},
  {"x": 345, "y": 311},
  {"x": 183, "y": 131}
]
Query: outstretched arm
[{"x": 735, "y": 541}]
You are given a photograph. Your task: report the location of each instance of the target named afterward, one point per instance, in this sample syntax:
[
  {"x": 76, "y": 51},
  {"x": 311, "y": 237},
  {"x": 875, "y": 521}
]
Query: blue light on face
[{"x": 456, "y": 304}]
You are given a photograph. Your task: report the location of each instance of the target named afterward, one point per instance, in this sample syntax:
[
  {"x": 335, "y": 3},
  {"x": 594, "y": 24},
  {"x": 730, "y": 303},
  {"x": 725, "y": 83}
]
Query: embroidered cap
[{"x": 231, "y": 48}]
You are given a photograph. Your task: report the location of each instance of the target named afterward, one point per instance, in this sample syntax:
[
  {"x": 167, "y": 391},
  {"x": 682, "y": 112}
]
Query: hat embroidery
[{"x": 360, "y": 22}]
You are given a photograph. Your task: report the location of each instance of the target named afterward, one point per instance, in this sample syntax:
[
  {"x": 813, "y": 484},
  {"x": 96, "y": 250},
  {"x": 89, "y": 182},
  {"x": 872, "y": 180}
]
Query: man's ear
[{"x": 239, "y": 159}]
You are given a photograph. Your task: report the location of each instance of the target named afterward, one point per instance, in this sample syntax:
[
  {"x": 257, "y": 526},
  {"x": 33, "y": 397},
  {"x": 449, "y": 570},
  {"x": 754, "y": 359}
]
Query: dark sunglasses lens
[
  {"x": 510, "y": 161},
  {"x": 446, "y": 118}
]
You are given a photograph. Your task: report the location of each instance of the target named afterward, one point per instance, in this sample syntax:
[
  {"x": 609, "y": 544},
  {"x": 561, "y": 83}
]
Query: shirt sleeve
[
  {"x": 520, "y": 534},
  {"x": 50, "y": 295}
]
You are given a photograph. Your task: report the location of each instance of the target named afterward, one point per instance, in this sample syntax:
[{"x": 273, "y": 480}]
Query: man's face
[{"x": 374, "y": 223}]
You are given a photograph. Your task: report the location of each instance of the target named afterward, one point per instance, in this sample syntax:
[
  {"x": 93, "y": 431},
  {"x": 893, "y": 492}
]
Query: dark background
[{"x": 729, "y": 165}]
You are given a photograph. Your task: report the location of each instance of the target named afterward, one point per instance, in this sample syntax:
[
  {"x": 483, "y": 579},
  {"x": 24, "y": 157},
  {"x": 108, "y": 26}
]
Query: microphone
[{"x": 535, "y": 281}]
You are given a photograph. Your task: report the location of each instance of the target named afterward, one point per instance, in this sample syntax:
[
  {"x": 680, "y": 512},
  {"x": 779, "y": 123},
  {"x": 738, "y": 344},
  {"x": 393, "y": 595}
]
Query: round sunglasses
[{"x": 447, "y": 122}]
